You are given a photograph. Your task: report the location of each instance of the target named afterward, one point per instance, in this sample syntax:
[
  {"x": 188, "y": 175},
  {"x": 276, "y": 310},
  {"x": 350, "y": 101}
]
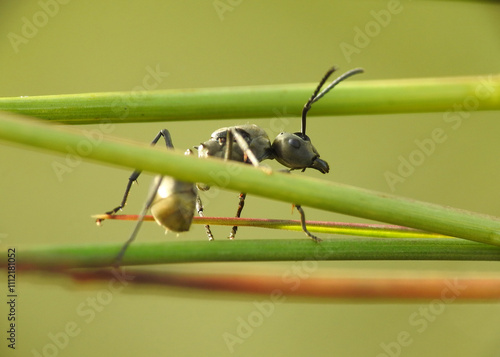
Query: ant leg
[
  {"x": 303, "y": 223},
  {"x": 166, "y": 136},
  {"x": 199, "y": 208},
  {"x": 249, "y": 156},
  {"x": 229, "y": 144},
  {"x": 131, "y": 180},
  {"x": 303, "y": 219},
  {"x": 227, "y": 156},
  {"x": 147, "y": 205},
  {"x": 238, "y": 213},
  {"x": 135, "y": 175}
]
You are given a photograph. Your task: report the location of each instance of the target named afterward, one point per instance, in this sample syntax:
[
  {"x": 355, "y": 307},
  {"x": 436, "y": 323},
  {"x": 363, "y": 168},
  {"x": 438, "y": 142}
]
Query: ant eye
[{"x": 294, "y": 143}]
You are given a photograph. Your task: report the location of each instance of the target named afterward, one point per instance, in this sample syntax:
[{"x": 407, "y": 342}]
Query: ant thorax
[{"x": 256, "y": 138}]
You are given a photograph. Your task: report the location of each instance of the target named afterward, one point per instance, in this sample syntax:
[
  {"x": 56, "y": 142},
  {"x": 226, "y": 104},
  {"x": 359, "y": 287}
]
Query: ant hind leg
[
  {"x": 135, "y": 175},
  {"x": 199, "y": 209}
]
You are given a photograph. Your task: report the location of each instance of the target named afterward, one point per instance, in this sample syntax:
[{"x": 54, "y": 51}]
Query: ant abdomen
[{"x": 174, "y": 204}]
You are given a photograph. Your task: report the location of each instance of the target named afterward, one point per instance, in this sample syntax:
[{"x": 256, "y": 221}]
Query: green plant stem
[
  {"x": 296, "y": 189},
  {"x": 351, "y": 97},
  {"x": 101, "y": 255}
]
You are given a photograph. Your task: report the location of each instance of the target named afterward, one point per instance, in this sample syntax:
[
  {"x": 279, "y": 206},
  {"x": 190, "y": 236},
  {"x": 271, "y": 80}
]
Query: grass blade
[
  {"x": 414, "y": 95},
  {"x": 103, "y": 255},
  {"x": 295, "y": 189}
]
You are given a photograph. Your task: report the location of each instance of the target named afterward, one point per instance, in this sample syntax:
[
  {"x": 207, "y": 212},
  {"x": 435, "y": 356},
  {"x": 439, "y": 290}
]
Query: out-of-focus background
[{"x": 58, "y": 47}]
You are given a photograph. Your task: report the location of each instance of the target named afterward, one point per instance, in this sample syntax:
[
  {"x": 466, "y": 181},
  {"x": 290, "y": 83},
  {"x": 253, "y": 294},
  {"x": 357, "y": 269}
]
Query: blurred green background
[{"x": 51, "y": 47}]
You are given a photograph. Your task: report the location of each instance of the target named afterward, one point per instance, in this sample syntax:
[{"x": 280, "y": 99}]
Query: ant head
[{"x": 295, "y": 151}]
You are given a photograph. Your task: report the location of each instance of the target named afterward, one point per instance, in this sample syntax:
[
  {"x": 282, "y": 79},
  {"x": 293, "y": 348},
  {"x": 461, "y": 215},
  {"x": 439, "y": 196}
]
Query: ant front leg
[
  {"x": 135, "y": 175},
  {"x": 303, "y": 224},
  {"x": 303, "y": 218}
]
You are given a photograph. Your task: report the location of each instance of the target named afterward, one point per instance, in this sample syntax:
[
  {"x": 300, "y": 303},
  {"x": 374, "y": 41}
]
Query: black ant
[{"x": 173, "y": 202}]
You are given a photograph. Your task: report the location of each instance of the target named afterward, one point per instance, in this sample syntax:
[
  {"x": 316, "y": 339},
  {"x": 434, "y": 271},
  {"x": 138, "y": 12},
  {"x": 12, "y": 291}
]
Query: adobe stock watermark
[
  {"x": 151, "y": 80},
  {"x": 223, "y": 6},
  {"x": 264, "y": 309},
  {"x": 93, "y": 138},
  {"x": 363, "y": 35},
  {"x": 427, "y": 146},
  {"x": 32, "y": 25},
  {"x": 84, "y": 148},
  {"x": 291, "y": 281},
  {"x": 86, "y": 312},
  {"x": 421, "y": 319}
]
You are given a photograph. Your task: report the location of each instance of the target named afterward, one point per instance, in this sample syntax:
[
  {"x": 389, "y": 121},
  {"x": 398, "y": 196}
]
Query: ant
[{"x": 173, "y": 202}]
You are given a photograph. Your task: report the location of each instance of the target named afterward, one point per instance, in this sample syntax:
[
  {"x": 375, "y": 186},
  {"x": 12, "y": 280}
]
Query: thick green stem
[
  {"x": 89, "y": 256},
  {"x": 296, "y": 189}
]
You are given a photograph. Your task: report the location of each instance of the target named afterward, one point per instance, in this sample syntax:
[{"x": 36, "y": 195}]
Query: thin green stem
[
  {"x": 356, "y": 229},
  {"x": 351, "y": 97},
  {"x": 101, "y": 255},
  {"x": 239, "y": 177}
]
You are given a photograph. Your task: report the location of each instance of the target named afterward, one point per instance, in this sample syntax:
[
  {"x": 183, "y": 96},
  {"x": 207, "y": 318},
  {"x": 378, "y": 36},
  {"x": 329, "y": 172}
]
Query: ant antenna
[{"x": 315, "y": 96}]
